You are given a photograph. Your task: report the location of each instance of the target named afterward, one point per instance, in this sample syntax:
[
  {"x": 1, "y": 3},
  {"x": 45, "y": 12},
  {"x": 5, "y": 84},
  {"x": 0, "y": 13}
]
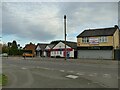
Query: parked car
[
  {"x": 28, "y": 55},
  {"x": 4, "y": 55}
]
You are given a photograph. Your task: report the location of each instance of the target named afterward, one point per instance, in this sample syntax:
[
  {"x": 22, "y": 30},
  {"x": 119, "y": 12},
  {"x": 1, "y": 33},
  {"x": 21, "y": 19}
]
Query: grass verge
[{"x": 3, "y": 79}]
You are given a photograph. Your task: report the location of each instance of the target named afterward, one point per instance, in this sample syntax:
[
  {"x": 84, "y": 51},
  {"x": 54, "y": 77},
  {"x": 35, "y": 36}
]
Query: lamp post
[{"x": 65, "y": 33}]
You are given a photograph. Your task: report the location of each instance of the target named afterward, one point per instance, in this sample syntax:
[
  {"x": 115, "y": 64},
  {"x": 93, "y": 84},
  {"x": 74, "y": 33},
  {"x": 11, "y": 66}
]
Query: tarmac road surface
[{"x": 57, "y": 73}]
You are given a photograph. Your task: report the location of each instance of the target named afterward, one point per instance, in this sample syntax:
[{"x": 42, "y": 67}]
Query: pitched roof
[
  {"x": 69, "y": 43},
  {"x": 98, "y": 32},
  {"x": 51, "y": 45},
  {"x": 30, "y": 46},
  {"x": 42, "y": 45}
]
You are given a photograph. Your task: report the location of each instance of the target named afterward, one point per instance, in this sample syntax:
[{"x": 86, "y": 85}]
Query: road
[{"x": 58, "y": 73}]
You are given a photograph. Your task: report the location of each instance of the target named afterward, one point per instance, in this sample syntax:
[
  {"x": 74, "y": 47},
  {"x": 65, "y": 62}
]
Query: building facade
[
  {"x": 40, "y": 49},
  {"x": 31, "y": 48},
  {"x": 98, "y": 43},
  {"x": 47, "y": 51},
  {"x": 58, "y": 50}
]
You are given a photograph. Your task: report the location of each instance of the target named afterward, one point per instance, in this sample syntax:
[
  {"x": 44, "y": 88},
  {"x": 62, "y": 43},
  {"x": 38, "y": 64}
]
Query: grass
[{"x": 3, "y": 79}]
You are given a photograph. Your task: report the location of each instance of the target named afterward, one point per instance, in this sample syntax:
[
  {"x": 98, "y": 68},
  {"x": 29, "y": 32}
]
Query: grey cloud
[
  {"x": 88, "y": 14},
  {"x": 22, "y": 27},
  {"x": 61, "y": 0},
  {"x": 27, "y": 31},
  {"x": 0, "y": 19},
  {"x": 44, "y": 21},
  {"x": 119, "y": 14}
]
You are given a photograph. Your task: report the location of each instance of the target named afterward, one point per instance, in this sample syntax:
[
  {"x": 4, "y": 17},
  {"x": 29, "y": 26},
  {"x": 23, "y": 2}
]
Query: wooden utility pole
[{"x": 65, "y": 34}]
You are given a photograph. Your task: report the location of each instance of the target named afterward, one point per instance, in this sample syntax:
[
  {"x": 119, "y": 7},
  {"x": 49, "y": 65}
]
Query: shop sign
[{"x": 93, "y": 41}]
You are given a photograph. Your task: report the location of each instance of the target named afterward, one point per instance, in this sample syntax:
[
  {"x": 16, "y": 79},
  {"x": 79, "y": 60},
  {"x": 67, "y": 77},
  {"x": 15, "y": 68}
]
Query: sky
[{"x": 42, "y": 22}]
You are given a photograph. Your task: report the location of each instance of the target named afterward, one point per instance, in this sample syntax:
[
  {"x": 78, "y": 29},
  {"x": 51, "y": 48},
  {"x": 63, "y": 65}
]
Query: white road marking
[
  {"x": 88, "y": 83},
  {"x": 94, "y": 74},
  {"x": 37, "y": 67},
  {"x": 23, "y": 68},
  {"x": 47, "y": 68},
  {"x": 62, "y": 70},
  {"x": 91, "y": 75},
  {"x": 80, "y": 73},
  {"x": 70, "y": 71},
  {"x": 72, "y": 76}
]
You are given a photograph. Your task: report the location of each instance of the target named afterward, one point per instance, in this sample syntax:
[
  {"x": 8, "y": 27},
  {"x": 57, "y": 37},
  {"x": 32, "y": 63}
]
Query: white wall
[
  {"x": 72, "y": 53},
  {"x": 62, "y": 54},
  {"x": 38, "y": 48},
  {"x": 47, "y": 47},
  {"x": 61, "y": 45},
  {"x": 44, "y": 53},
  {"x": 56, "y": 53}
]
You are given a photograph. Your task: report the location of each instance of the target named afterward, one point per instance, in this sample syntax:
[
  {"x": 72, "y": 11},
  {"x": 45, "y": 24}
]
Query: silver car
[{"x": 4, "y": 55}]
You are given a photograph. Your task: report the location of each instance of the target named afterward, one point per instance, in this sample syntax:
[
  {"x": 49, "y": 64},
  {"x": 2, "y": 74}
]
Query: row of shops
[
  {"x": 57, "y": 49},
  {"x": 102, "y": 43}
]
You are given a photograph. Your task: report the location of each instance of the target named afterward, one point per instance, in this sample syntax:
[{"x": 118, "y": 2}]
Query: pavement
[{"x": 94, "y": 61}]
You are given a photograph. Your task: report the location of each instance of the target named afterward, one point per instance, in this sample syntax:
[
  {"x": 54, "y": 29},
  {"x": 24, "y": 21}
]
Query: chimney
[{"x": 116, "y": 26}]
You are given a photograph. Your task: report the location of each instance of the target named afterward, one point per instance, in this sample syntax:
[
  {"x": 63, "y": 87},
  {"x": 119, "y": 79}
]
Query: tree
[
  {"x": 5, "y": 48},
  {"x": 14, "y": 45},
  {"x": 14, "y": 48},
  {"x": 0, "y": 48}
]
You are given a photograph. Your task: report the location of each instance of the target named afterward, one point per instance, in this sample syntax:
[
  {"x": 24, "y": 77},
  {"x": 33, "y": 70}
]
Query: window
[
  {"x": 103, "y": 39},
  {"x": 82, "y": 40},
  {"x": 85, "y": 40}
]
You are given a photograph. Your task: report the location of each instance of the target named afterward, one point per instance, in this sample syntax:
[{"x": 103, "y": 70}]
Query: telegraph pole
[{"x": 65, "y": 34}]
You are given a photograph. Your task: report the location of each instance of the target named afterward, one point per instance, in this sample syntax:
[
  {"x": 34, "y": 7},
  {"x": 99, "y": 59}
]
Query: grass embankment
[{"x": 3, "y": 79}]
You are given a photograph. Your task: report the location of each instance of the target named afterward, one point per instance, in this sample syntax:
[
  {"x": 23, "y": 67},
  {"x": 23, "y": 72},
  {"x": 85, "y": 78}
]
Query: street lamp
[{"x": 65, "y": 33}]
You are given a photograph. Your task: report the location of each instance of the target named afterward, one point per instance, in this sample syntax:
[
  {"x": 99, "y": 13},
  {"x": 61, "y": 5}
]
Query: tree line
[{"x": 12, "y": 48}]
